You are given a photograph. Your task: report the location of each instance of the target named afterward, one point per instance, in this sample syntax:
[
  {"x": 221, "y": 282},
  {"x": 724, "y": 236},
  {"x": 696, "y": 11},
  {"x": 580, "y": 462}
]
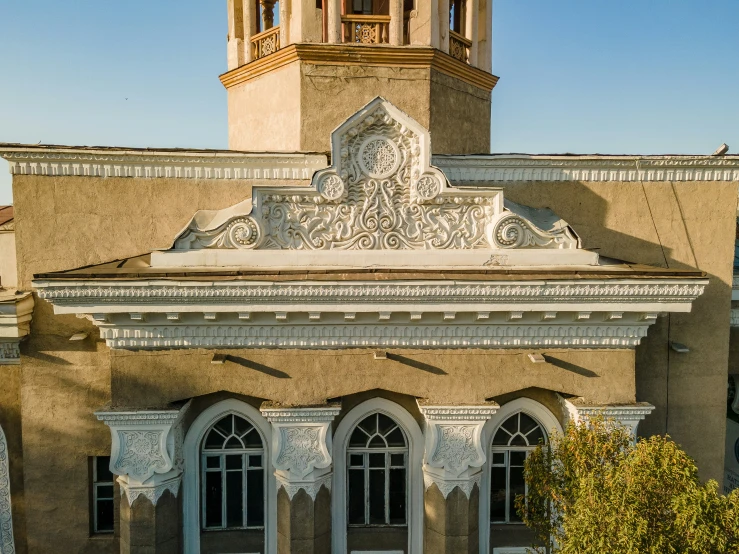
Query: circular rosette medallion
[
  {"x": 428, "y": 187},
  {"x": 379, "y": 157},
  {"x": 331, "y": 187},
  {"x": 244, "y": 232}
]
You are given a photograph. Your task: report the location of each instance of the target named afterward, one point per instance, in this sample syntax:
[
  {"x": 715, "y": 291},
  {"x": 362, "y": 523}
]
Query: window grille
[
  {"x": 232, "y": 476},
  {"x": 377, "y": 474}
]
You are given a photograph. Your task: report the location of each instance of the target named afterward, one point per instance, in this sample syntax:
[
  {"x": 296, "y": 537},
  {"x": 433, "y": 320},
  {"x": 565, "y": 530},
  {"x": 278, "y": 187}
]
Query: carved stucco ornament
[
  {"x": 454, "y": 451},
  {"x": 380, "y": 194},
  {"x": 146, "y": 451},
  {"x": 301, "y": 447},
  {"x": 7, "y": 543}
]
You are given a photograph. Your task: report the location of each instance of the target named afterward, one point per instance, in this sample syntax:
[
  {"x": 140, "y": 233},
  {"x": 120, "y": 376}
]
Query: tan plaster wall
[
  {"x": 299, "y": 113},
  {"x": 676, "y": 225},
  {"x": 8, "y": 269},
  {"x": 264, "y": 113}
]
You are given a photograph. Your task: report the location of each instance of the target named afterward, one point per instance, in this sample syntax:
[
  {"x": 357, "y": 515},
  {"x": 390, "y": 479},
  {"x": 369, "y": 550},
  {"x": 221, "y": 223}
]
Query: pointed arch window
[
  {"x": 512, "y": 443},
  {"x": 232, "y": 479},
  {"x": 377, "y": 473}
]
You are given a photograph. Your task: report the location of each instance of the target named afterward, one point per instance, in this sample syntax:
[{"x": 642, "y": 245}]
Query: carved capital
[
  {"x": 446, "y": 486},
  {"x": 454, "y": 451},
  {"x": 628, "y": 415},
  {"x": 301, "y": 446},
  {"x": 146, "y": 451}
]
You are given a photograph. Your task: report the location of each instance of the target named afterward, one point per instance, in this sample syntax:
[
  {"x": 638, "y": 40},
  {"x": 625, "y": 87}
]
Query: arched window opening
[
  {"x": 457, "y": 16},
  {"x": 232, "y": 476},
  {"x": 377, "y": 473},
  {"x": 267, "y": 14},
  {"x": 513, "y": 442}
]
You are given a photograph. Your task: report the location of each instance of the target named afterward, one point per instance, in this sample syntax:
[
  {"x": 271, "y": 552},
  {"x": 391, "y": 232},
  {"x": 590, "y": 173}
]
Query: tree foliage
[{"x": 591, "y": 490}]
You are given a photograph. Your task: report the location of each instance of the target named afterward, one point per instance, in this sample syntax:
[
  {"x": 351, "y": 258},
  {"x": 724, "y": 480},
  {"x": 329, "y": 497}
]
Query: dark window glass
[
  {"x": 102, "y": 464},
  {"x": 377, "y": 460},
  {"x": 370, "y": 424},
  {"x": 497, "y": 494},
  {"x": 518, "y": 457},
  {"x": 536, "y": 436},
  {"x": 518, "y": 486},
  {"x": 384, "y": 424},
  {"x": 241, "y": 426},
  {"x": 225, "y": 425},
  {"x": 397, "y": 496},
  {"x": 105, "y": 516},
  {"x": 234, "y": 498},
  {"x": 527, "y": 424},
  {"x": 213, "y": 496},
  {"x": 356, "y": 460},
  {"x": 252, "y": 439},
  {"x": 358, "y": 438},
  {"x": 377, "y": 442},
  {"x": 214, "y": 440},
  {"x": 356, "y": 496},
  {"x": 213, "y": 462},
  {"x": 498, "y": 457},
  {"x": 233, "y": 443},
  {"x": 511, "y": 424},
  {"x": 255, "y": 498},
  {"x": 377, "y": 497},
  {"x": 234, "y": 461},
  {"x": 397, "y": 460},
  {"x": 255, "y": 461},
  {"x": 396, "y": 438},
  {"x": 501, "y": 437},
  {"x": 518, "y": 440}
]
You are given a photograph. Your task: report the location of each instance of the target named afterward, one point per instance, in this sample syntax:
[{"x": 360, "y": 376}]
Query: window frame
[
  {"x": 95, "y": 485},
  {"x": 221, "y": 454}
]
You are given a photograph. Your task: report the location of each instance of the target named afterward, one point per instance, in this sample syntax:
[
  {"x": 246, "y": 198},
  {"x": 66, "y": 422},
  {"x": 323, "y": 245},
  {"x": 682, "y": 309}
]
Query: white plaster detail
[
  {"x": 146, "y": 451},
  {"x": 192, "y": 457},
  {"x": 628, "y": 415},
  {"x": 415, "y": 474},
  {"x": 301, "y": 447},
  {"x": 380, "y": 194},
  {"x": 7, "y": 542},
  {"x": 526, "y": 167},
  {"x": 734, "y": 317},
  {"x": 454, "y": 451},
  {"x": 152, "y": 164},
  {"x": 16, "y": 311}
]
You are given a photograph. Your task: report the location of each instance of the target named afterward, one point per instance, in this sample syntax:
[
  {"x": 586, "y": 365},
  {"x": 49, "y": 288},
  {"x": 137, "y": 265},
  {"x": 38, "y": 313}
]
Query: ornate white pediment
[{"x": 380, "y": 194}]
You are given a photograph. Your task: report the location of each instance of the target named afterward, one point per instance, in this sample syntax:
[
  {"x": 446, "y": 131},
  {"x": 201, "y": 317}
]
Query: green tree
[{"x": 593, "y": 491}]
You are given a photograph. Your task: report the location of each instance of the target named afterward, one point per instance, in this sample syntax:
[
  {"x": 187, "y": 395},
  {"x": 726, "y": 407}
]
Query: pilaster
[
  {"x": 452, "y": 471},
  {"x": 628, "y": 415},
  {"x": 301, "y": 455},
  {"x": 146, "y": 455}
]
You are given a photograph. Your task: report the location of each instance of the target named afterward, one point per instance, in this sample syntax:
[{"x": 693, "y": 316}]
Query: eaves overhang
[{"x": 419, "y": 313}]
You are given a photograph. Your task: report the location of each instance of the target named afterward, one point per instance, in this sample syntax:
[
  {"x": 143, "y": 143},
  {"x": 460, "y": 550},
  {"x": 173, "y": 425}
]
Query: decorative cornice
[
  {"x": 7, "y": 543},
  {"x": 446, "y": 486},
  {"x": 136, "y": 418},
  {"x": 636, "y": 412},
  {"x": 310, "y": 487},
  {"x": 407, "y": 57},
  {"x": 301, "y": 415},
  {"x": 90, "y": 162},
  {"x": 523, "y": 167},
  {"x": 16, "y": 311},
  {"x": 111, "y": 293}
]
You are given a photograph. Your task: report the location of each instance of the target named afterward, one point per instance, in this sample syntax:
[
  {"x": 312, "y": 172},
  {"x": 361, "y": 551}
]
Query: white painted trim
[
  {"x": 547, "y": 420},
  {"x": 511, "y": 550},
  {"x": 7, "y": 543},
  {"x": 90, "y": 162},
  {"x": 191, "y": 497},
  {"x": 525, "y": 167},
  {"x": 415, "y": 473}
]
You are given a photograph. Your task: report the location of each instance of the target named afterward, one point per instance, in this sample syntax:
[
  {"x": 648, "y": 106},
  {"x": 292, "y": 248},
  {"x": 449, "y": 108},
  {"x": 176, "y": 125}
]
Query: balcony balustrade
[
  {"x": 265, "y": 43},
  {"x": 459, "y": 47},
  {"x": 366, "y": 29}
]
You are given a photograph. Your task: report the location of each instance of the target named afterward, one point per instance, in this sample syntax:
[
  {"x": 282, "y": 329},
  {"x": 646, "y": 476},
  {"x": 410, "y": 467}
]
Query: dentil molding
[
  {"x": 146, "y": 450},
  {"x": 454, "y": 452},
  {"x": 301, "y": 447}
]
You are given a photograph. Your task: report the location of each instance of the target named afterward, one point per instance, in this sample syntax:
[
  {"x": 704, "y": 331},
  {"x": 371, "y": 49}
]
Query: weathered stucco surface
[
  {"x": 456, "y": 113},
  {"x": 65, "y": 222}
]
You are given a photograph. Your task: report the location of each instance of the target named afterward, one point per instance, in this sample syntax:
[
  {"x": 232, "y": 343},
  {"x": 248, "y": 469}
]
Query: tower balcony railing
[
  {"x": 265, "y": 43},
  {"x": 459, "y": 47},
  {"x": 366, "y": 29}
]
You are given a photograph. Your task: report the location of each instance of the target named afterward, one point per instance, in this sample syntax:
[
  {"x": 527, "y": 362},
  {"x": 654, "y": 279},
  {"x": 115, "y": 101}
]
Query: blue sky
[{"x": 626, "y": 76}]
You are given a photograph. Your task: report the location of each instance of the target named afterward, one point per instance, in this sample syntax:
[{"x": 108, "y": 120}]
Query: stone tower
[{"x": 298, "y": 68}]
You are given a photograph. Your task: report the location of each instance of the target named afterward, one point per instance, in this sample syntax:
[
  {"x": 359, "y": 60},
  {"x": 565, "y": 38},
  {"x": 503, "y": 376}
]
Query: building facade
[{"x": 273, "y": 350}]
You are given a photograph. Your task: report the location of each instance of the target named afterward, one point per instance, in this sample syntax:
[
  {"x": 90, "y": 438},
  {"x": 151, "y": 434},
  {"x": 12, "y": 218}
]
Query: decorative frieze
[
  {"x": 523, "y": 167},
  {"x": 301, "y": 447},
  {"x": 454, "y": 452},
  {"x": 146, "y": 451},
  {"x": 627, "y": 415}
]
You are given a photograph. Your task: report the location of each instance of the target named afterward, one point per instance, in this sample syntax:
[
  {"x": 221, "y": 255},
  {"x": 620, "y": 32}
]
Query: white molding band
[
  {"x": 91, "y": 162},
  {"x": 301, "y": 447},
  {"x": 146, "y": 451},
  {"x": 628, "y": 415},
  {"x": 16, "y": 311},
  {"x": 454, "y": 455},
  {"x": 524, "y": 167},
  {"x": 7, "y": 543}
]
